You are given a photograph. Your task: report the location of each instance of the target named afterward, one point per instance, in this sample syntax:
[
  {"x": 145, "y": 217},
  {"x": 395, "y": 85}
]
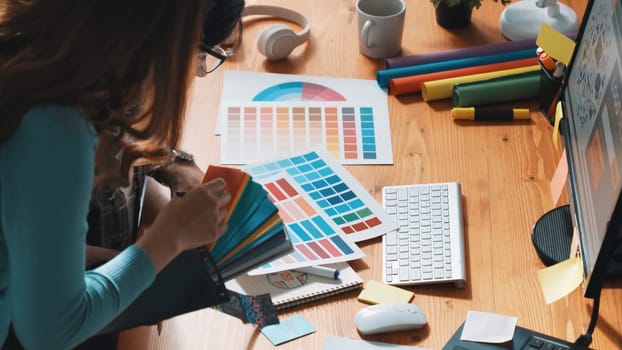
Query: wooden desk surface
[{"x": 504, "y": 169}]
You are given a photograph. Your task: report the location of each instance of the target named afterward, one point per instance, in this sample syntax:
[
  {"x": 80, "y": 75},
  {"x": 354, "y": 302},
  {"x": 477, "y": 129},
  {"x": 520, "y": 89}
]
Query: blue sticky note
[{"x": 288, "y": 329}]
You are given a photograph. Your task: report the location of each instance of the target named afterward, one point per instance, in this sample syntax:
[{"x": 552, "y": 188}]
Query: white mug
[{"x": 380, "y": 23}]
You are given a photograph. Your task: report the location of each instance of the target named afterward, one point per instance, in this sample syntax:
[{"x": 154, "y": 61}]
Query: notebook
[{"x": 291, "y": 288}]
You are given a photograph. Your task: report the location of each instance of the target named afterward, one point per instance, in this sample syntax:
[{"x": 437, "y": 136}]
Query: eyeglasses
[
  {"x": 210, "y": 58},
  {"x": 232, "y": 43}
]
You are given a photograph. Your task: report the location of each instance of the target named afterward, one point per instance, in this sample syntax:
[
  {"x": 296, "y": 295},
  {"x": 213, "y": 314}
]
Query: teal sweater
[{"x": 46, "y": 177}]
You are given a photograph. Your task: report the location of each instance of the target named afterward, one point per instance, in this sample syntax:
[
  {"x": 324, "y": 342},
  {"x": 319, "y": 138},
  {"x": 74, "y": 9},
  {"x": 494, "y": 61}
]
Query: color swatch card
[
  {"x": 317, "y": 195},
  {"x": 288, "y": 329},
  {"x": 255, "y": 232},
  {"x": 268, "y": 115}
]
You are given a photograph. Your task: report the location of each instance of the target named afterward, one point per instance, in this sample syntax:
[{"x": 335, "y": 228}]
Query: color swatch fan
[{"x": 255, "y": 232}]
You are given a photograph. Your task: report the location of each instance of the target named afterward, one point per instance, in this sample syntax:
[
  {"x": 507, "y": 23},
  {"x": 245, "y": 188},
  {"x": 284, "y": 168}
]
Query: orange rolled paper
[{"x": 412, "y": 84}]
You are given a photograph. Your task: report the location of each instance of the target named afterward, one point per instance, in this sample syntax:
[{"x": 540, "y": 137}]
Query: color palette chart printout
[
  {"x": 315, "y": 239},
  {"x": 324, "y": 209},
  {"x": 268, "y": 115}
]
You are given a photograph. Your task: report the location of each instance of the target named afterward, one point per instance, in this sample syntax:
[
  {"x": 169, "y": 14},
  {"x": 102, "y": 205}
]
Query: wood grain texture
[{"x": 504, "y": 170}]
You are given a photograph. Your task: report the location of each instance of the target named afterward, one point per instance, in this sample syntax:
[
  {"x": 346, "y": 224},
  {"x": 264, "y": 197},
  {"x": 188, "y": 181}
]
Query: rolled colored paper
[
  {"x": 383, "y": 77},
  {"x": 471, "y": 51},
  {"x": 490, "y": 113},
  {"x": 440, "y": 89},
  {"x": 412, "y": 84},
  {"x": 497, "y": 90}
]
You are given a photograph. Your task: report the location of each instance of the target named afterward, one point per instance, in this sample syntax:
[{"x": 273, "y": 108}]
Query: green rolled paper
[{"x": 496, "y": 90}]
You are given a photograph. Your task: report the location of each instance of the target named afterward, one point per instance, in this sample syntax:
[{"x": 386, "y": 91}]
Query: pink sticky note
[{"x": 558, "y": 181}]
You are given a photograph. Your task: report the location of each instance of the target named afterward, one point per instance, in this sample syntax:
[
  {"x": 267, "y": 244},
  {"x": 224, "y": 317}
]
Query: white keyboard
[{"x": 428, "y": 246}]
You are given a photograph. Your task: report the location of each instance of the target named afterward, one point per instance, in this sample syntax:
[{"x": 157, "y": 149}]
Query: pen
[
  {"x": 489, "y": 113},
  {"x": 321, "y": 271}
]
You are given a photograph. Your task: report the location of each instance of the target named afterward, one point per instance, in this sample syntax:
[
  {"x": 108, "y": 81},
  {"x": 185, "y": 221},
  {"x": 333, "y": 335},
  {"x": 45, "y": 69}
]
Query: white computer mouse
[{"x": 389, "y": 317}]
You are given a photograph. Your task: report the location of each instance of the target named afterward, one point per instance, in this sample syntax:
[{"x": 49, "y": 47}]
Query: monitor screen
[{"x": 592, "y": 104}]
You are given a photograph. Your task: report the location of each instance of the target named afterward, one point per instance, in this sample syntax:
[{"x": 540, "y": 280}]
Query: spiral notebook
[{"x": 292, "y": 288}]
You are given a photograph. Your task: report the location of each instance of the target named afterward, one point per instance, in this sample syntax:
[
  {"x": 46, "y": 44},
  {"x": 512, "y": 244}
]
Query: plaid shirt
[{"x": 110, "y": 223}]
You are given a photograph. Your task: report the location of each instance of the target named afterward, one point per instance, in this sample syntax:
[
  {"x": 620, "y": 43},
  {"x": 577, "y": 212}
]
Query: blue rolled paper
[{"x": 384, "y": 76}]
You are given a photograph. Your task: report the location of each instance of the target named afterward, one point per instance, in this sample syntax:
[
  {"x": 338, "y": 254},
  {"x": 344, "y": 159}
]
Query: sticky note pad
[
  {"x": 376, "y": 292},
  {"x": 288, "y": 329},
  {"x": 558, "y": 181},
  {"x": 559, "y": 115},
  {"x": 488, "y": 327},
  {"x": 560, "y": 279},
  {"x": 556, "y": 44}
]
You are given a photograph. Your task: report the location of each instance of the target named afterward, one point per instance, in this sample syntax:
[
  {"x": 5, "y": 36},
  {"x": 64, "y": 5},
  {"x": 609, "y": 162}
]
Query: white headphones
[{"x": 278, "y": 41}]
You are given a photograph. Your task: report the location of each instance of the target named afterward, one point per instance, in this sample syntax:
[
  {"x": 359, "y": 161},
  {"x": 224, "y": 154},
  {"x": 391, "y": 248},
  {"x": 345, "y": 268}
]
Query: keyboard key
[
  {"x": 404, "y": 273},
  {"x": 391, "y": 238}
]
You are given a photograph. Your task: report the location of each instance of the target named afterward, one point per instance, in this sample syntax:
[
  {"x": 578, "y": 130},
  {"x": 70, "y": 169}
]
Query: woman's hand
[{"x": 187, "y": 222}]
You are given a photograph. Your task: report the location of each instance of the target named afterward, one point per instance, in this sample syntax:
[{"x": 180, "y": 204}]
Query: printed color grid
[
  {"x": 270, "y": 115},
  {"x": 340, "y": 199},
  {"x": 272, "y": 130},
  {"x": 316, "y": 241}
]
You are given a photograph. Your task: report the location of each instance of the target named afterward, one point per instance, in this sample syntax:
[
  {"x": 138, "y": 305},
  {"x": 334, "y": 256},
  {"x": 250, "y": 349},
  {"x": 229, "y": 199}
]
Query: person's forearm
[
  {"x": 159, "y": 250},
  {"x": 96, "y": 255},
  {"x": 156, "y": 198}
]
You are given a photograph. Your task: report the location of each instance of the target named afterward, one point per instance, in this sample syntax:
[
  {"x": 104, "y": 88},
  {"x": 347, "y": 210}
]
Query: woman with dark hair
[{"x": 88, "y": 91}]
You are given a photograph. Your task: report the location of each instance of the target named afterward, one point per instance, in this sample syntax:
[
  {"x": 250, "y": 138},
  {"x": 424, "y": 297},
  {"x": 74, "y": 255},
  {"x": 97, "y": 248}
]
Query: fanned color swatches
[{"x": 255, "y": 232}]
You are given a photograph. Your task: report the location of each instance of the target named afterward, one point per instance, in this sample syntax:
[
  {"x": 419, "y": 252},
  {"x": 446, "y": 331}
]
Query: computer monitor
[{"x": 592, "y": 130}]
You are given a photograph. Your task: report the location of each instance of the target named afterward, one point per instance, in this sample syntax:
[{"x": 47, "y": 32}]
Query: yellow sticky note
[
  {"x": 376, "y": 292},
  {"x": 556, "y": 44},
  {"x": 559, "y": 114},
  {"x": 560, "y": 279},
  {"x": 558, "y": 182}
]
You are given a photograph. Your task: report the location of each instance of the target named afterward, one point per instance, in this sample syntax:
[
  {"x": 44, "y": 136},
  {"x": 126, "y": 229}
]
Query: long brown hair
[{"x": 126, "y": 65}]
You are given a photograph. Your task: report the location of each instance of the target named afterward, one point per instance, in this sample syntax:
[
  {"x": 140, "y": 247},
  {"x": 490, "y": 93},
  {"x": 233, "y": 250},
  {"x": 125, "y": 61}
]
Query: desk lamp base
[
  {"x": 552, "y": 235},
  {"x": 523, "y": 19}
]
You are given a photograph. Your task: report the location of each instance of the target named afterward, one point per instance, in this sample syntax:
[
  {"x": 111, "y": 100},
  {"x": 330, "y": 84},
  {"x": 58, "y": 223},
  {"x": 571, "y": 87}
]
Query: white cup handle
[{"x": 365, "y": 33}]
